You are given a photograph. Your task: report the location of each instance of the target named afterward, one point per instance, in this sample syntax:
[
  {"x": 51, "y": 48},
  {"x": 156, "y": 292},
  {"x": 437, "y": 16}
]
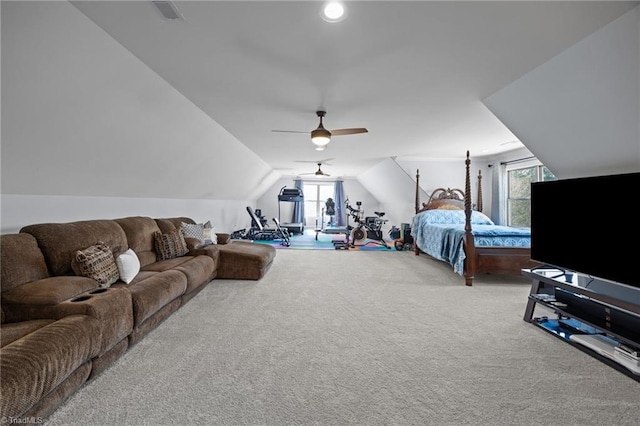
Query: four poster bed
[{"x": 446, "y": 228}]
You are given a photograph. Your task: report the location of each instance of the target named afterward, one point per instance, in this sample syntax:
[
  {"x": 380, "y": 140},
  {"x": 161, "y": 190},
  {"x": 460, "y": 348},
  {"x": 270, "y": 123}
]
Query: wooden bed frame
[{"x": 479, "y": 260}]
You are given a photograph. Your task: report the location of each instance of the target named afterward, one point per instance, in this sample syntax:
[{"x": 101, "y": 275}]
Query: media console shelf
[{"x": 603, "y": 326}]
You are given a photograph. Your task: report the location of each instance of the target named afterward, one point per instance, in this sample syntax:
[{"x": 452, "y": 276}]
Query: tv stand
[{"x": 603, "y": 326}]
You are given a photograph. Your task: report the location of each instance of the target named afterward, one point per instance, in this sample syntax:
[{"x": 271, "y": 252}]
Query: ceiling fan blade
[
  {"x": 354, "y": 131},
  {"x": 289, "y": 131},
  {"x": 323, "y": 162}
]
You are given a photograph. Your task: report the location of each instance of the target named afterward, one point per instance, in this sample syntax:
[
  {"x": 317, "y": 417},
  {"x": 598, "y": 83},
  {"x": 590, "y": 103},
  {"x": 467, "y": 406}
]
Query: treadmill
[{"x": 290, "y": 195}]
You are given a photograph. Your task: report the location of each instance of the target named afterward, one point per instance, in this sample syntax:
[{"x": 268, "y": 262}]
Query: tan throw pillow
[
  {"x": 170, "y": 245},
  {"x": 97, "y": 262}
]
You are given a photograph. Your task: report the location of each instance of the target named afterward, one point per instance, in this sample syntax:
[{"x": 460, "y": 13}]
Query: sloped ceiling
[
  {"x": 414, "y": 73},
  {"x": 581, "y": 109},
  {"x": 83, "y": 116},
  {"x": 104, "y": 98}
]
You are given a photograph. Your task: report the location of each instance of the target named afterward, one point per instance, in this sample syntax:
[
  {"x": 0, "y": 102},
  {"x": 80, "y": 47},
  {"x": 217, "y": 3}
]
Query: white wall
[
  {"x": 20, "y": 210},
  {"x": 579, "y": 113},
  {"x": 450, "y": 174},
  {"x": 394, "y": 188},
  {"x": 85, "y": 120}
]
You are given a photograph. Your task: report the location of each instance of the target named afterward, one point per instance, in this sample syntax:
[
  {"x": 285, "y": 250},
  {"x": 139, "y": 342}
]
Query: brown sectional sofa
[{"x": 60, "y": 330}]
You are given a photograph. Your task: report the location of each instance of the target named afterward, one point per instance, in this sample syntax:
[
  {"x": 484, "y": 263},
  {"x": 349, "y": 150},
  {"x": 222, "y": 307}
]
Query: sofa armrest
[
  {"x": 223, "y": 238},
  {"x": 60, "y": 297},
  {"x": 31, "y": 300}
]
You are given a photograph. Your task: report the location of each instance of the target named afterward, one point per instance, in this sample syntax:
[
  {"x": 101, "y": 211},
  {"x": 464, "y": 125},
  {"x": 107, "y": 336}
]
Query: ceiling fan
[
  {"x": 325, "y": 161},
  {"x": 318, "y": 172},
  {"x": 321, "y": 136}
]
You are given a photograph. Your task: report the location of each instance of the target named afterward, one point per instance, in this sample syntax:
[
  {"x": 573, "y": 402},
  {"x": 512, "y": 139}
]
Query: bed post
[
  {"x": 470, "y": 250},
  {"x": 479, "y": 199},
  {"x": 416, "y": 250},
  {"x": 417, "y": 190}
]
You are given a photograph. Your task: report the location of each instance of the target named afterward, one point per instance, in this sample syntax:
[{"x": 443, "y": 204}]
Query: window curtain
[
  {"x": 499, "y": 194},
  {"x": 338, "y": 197},
  {"x": 298, "y": 206}
]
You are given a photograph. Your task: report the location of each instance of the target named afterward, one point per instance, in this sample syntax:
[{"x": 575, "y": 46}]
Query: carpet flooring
[
  {"x": 355, "y": 338},
  {"x": 308, "y": 241}
]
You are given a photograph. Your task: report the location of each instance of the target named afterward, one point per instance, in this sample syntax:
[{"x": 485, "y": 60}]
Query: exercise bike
[{"x": 369, "y": 228}]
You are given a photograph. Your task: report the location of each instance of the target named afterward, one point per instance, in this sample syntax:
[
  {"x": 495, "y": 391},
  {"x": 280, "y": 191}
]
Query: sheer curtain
[
  {"x": 338, "y": 197},
  {"x": 498, "y": 195},
  {"x": 298, "y": 206}
]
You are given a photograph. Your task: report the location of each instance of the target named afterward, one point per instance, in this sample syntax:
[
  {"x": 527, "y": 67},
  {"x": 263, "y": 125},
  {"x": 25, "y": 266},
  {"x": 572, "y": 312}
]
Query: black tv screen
[{"x": 588, "y": 225}]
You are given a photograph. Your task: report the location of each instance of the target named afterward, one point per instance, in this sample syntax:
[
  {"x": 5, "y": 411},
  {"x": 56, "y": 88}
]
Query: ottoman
[{"x": 243, "y": 260}]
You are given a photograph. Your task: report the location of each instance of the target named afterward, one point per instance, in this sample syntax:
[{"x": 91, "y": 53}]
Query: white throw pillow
[
  {"x": 128, "y": 265},
  {"x": 210, "y": 236}
]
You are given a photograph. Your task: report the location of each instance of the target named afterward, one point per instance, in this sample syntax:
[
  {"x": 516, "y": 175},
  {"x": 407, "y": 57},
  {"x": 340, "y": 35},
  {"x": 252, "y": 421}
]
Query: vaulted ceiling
[{"x": 413, "y": 73}]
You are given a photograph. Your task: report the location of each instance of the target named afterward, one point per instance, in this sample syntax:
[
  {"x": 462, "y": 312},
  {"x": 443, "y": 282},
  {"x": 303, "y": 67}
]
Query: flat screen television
[{"x": 588, "y": 225}]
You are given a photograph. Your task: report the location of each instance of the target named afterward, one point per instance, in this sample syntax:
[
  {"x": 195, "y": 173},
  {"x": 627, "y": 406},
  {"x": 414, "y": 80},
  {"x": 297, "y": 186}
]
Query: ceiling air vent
[{"x": 168, "y": 10}]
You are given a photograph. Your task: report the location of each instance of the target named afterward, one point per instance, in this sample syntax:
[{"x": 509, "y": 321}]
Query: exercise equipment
[
  {"x": 290, "y": 195},
  {"x": 260, "y": 232},
  {"x": 368, "y": 230}
]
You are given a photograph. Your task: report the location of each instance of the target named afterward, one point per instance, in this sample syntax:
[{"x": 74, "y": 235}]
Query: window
[
  {"x": 315, "y": 196},
  {"x": 519, "y": 192}
]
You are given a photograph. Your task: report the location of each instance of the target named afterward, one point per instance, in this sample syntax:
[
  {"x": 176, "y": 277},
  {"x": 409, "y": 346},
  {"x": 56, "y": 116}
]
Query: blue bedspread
[{"x": 445, "y": 241}]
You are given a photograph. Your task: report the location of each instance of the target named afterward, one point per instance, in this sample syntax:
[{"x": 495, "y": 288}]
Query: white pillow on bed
[
  {"x": 454, "y": 217},
  {"x": 479, "y": 218}
]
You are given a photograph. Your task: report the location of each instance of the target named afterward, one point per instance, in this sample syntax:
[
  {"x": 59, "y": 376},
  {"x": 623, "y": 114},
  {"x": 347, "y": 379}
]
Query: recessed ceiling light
[{"x": 333, "y": 11}]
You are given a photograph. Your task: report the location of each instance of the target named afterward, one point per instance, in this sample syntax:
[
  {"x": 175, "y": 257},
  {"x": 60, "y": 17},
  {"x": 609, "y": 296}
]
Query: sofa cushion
[
  {"x": 128, "y": 266},
  {"x": 139, "y": 231},
  {"x": 14, "y": 331},
  {"x": 37, "y": 363},
  {"x": 59, "y": 242},
  {"x": 97, "y": 262},
  {"x": 143, "y": 275},
  {"x": 212, "y": 251},
  {"x": 21, "y": 260},
  {"x": 199, "y": 270},
  {"x": 152, "y": 294},
  {"x": 245, "y": 260},
  {"x": 172, "y": 223},
  {"x": 170, "y": 245}
]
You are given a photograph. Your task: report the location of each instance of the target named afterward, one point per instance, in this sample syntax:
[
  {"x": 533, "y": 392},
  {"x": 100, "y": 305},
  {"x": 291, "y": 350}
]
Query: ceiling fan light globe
[
  {"x": 333, "y": 11},
  {"x": 320, "y": 137},
  {"x": 321, "y": 141}
]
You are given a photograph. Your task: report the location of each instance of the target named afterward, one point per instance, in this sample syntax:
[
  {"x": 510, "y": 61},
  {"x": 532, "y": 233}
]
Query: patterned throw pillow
[
  {"x": 190, "y": 230},
  {"x": 97, "y": 262},
  {"x": 170, "y": 245}
]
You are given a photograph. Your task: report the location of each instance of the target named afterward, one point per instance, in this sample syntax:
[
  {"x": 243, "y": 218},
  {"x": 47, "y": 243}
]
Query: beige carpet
[{"x": 355, "y": 338}]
